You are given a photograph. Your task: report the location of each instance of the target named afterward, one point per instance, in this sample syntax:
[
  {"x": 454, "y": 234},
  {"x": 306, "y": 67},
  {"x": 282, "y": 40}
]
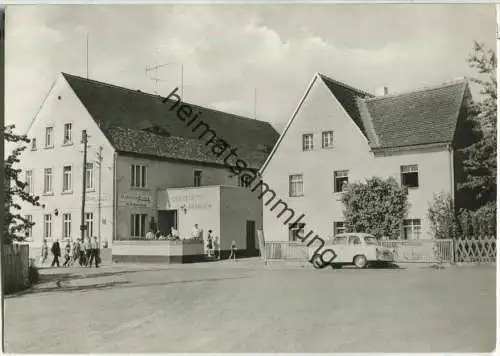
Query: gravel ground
[{"x": 248, "y": 307}]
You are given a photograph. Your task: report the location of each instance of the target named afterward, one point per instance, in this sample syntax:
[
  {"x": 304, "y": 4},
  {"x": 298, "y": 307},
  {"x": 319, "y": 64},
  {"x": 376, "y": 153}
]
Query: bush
[
  {"x": 480, "y": 223},
  {"x": 377, "y": 207},
  {"x": 443, "y": 218}
]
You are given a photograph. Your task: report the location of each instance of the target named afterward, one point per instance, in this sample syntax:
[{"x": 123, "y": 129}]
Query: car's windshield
[{"x": 370, "y": 240}]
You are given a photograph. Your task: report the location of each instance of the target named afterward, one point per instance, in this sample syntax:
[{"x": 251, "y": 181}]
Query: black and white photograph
[{"x": 249, "y": 178}]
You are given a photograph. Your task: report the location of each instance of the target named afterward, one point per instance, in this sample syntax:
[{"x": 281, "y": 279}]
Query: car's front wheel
[
  {"x": 317, "y": 262},
  {"x": 360, "y": 261}
]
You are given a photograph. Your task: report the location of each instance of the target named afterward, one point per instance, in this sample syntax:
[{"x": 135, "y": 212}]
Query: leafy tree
[
  {"x": 479, "y": 164},
  {"x": 481, "y": 223},
  {"x": 377, "y": 206},
  {"x": 15, "y": 190},
  {"x": 443, "y": 218}
]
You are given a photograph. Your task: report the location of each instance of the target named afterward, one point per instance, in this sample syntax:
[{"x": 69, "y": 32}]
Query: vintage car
[{"x": 358, "y": 249}]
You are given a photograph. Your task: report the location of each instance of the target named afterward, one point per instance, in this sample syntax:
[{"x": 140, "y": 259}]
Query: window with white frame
[
  {"x": 89, "y": 223},
  {"x": 327, "y": 139},
  {"x": 49, "y": 137},
  {"x": 67, "y": 179},
  {"x": 47, "y": 226},
  {"x": 29, "y": 230},
  {"x": 89, "y": 176},
  {"x": 411, "y": 229},
  {"x": 138, "y": 176},
  {"x": 33, "y": 144},
  {"x": 307, "y": 142},
  {"x": 340, "y": 180},
  {"x": 48, "y": 181},
  {"x": 29, "y": 182},
  {"x": 68, "y": 134},
  {"x": 296, "y": 185},
  {"x": 67, "y": 225},
  {"x": 197, "y": 179},
  {"x": 409, "y": 176},
  {"x": 138, "y": 225},
  {"x": 338, "y": 227}
]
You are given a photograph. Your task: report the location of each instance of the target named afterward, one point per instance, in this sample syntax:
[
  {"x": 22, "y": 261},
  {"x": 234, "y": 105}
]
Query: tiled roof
[
  {"x": 132, "y": 110},
  {"x": 144, "y": 143},
  {"x": 419, "y": 117}
]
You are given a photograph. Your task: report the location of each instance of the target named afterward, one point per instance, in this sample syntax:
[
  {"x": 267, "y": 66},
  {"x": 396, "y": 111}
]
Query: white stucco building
[
  {"x": 341, "y": 134},
  {"x": 138, "y": 150}
]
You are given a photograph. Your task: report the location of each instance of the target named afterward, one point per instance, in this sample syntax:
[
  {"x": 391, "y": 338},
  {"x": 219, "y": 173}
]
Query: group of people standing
[{"x": 86, "y": 253}]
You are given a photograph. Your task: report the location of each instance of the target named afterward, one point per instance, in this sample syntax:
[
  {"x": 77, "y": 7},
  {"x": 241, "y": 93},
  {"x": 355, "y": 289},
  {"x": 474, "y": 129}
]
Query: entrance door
[
  {"x": 167, "y": 219},
  {"x": 250, "y": 235}
]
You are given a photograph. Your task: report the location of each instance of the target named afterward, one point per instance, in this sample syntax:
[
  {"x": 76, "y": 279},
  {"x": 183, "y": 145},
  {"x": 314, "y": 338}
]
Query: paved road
[{"x": 242, "y": 308}]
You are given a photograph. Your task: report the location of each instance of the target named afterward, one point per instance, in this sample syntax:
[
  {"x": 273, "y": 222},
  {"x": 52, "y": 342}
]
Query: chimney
[{"x": 382, "y": 91}]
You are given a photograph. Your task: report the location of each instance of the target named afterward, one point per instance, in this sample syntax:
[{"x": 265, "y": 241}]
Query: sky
[{"x": 229, "y": 53}]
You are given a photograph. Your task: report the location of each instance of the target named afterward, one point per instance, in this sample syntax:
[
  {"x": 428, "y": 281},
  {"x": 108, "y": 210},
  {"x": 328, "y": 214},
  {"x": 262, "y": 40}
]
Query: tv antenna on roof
[{"x": 158, "y": 80}]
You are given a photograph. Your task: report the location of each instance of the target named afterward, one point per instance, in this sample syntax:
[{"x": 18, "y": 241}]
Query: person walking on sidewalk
[
  {"x": 67, "y": 255},
  {"x": 56, "y": 251},
  {"x": 94, "y": 252},
  {"x": 233, "y": 251},
  {"x": 44, "y": 253},
  {"x": 88, "y": 251}
]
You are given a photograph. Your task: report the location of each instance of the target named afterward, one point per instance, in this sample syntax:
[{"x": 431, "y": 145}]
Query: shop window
[{"x": 138, "y": 225}]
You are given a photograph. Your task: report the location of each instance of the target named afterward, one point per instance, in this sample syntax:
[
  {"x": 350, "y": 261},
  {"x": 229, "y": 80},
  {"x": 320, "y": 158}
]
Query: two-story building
[
  {"x": 145, "y": 169},
  {"x": 339, "y": 134}
]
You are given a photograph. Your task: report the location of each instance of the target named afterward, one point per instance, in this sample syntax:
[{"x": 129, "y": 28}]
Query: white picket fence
[{"x": 479, "y": 250}]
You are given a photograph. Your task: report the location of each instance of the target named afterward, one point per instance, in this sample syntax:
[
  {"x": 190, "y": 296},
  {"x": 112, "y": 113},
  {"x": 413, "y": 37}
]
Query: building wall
[
  {"x": 160, "y": 176},
  {"x": 237, "y": 206},
  {"x": 194, "y": 206},
  {"x": 319, "y": 112},
  {"x": 62, "y": 106}
]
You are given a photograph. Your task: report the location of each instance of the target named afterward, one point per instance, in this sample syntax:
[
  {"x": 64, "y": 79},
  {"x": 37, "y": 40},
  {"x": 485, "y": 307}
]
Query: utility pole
[{"x": 84, "y": 184}]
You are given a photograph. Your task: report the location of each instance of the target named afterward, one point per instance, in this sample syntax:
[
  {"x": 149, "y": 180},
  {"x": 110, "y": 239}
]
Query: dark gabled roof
[
  {"x": 145, "y": 143},
  {"x": 419, "y": 117},
  {"x": 132, "y": 110},
  {"x": 349, "y": 98}
]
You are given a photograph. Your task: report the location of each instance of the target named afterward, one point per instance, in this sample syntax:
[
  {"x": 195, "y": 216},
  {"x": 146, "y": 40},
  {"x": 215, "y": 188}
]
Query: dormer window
[{"x": 307, "y": 142}]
